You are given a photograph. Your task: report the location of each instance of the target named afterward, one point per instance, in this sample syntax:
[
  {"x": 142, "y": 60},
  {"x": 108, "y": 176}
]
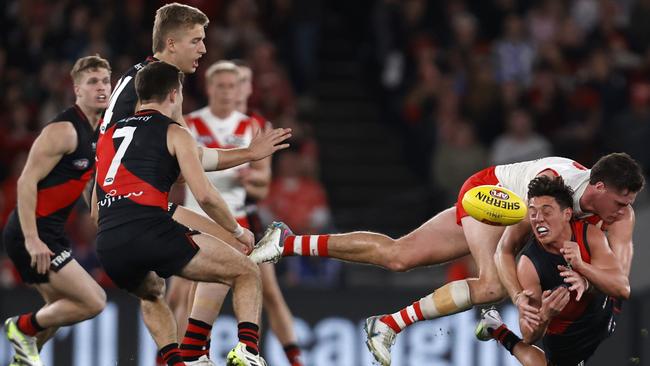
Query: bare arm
[
  {"x": 56, "y": 140},
  {"x": 94, "y": 210},
  {"x": 527, "y": 276},
  {"x": 263, "y": 144},
  {"x": 511, "y": 243},
  {"x": 181, "y": 144},
  {"x": 604, "y": 272},
  {"x": 619, "y": 236}
]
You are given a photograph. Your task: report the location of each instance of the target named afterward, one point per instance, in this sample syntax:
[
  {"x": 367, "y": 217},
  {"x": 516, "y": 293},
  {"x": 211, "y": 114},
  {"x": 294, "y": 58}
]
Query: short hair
[
  {"x": 221, "y": 66},
  {"x": 156, "y": 80},
  {"x": 171, "y": 17},
  {"x": 618, "y": 170},
  {"x": 554, "y": 187},
  {"x": 87, "y": 63}
]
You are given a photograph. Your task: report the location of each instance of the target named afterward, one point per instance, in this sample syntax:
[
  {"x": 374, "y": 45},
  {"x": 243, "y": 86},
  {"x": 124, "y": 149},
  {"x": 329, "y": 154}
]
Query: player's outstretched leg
[
  {"x": 438, "y": 240},
  {"x": 492, "y": 327}
]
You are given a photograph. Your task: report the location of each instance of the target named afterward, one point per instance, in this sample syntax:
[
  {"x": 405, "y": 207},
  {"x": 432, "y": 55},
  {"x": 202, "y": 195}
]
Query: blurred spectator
[
  {"x": 513, "y": 52},
  {"x": 631, "y": 130},
  {"x": 519, "y": 142},
  {"x": 458, "y": 156}
]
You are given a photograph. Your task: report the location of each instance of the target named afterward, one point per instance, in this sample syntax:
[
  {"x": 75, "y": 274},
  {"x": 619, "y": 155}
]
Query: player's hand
[
  {"x": 576, "y": 282},
  {"x": 248, "y": 240},
  {"x": 39, "y": 253},
  {"x": 268, "y": 141},
  {"x": 571, "y": 253},
  {"x": 553, "y": 302},
  {"x": 529, "y": 314}
]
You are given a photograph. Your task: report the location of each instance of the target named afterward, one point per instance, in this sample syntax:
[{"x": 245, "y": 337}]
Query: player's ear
[
  {"x": 170, "y": 44},
  {"x": 568, "y": 214},
  {"x": 77, "y": 89},
  {"x": 173, "y": 95},
  {"x": 600, "y": 186}
]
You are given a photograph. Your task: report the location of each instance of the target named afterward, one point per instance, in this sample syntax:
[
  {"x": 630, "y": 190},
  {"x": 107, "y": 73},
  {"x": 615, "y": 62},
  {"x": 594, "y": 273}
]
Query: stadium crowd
[{"x": 469, "y": 83}]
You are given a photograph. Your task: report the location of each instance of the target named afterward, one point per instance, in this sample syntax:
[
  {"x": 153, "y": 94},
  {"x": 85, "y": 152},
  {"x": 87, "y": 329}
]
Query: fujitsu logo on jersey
[
  {"x": 205, "y": 140},
  {"x": 235, "y": 140},
  {"x": 111, "y": 197},
  {"x": 81, "y": 164}
]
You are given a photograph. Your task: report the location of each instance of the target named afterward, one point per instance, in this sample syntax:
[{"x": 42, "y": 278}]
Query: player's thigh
[
  {"x": 482, "y": 240},
  {"x": 200, "y": 223},
  {"x": 436, "y": 241},
  {"x": 74, "y": 283},
  {"x": 216, "y": 261}
]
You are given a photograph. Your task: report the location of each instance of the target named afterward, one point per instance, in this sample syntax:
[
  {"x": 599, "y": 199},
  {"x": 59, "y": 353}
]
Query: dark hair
[
  {"x": 172, "y": 17},
  {"x": 618, "y": 170},
  {"x": 554, "y": 187},
  {"x": 156, "y": 80}
]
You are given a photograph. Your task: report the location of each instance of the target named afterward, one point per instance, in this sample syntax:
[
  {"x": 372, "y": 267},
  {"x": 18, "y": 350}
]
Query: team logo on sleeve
[{"x": 81, "y": 164}]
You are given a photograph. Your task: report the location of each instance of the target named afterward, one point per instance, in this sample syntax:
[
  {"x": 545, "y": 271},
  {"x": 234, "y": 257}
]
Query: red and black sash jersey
[
  {"x": 135, "y": 170},
  {"x": 124, "y": 99},
  {"x": 582, "y": 324},
  {"x": 62, "y": 187}
]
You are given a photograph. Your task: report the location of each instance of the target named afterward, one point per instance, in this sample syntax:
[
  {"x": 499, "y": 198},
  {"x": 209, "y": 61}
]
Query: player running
[
  {"x": 138, "y": 242},
  {"x": 570, "y": 272},
  {"x": 58, "y": 168},
  {"x": 605, "y": 193}
]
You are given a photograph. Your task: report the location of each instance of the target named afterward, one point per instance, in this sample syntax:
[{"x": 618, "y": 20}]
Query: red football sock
[
  {"x": 293, "y": 354},
  {"x": 195, "y": 341},
  {"x": 28, "y": 325},
  {"x": 172, "y": 355},
  {"x": 403, "y": 318},
  {"x": 306, "y": 245},
  {"x": 249, "y": 335}
]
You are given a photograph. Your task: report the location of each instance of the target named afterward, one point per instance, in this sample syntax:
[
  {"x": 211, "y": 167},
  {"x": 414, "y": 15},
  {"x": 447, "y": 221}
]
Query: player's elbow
[{"x": 624, "y": 291}]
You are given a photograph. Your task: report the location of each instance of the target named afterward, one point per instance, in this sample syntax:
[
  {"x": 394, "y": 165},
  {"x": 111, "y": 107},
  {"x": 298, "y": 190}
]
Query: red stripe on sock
[
  {"x": 405, "y": 317},
  {"x": 418, "y": 311},
  {"x": 304, "y": 241},
  {"x": 388, "y": 320},
  {"x": 197, "y": 329},
  {"x": 322, "y": 245},
  {"x": 194, "y": 341},
  {"x": 250, "y": 344},
  {"x": 288, "y": 246}
]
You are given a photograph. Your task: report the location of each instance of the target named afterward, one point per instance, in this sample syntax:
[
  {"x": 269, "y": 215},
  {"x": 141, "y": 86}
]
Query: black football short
[
  {"x": 160, "y": 244},
  {"x": 14, "y": 243}
]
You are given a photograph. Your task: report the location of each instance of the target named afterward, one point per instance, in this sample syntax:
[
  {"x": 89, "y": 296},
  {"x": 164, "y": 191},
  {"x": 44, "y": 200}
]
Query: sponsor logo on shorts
[
  {"x": 61, "y": 258},
  {"x": 81, "y": 164},
  {"x": 497, "y": 202}
]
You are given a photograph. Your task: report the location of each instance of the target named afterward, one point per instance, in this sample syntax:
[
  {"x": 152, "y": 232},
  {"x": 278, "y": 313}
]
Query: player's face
[
  {"x": 223, "y": 90},
  {"x": 610, "y": 204},
  {"x": 547, "y": 219},
  {"x": 94, "y": 88},
  {"x": 245, "y": 83},
  {"x": 188, "y": 48}
]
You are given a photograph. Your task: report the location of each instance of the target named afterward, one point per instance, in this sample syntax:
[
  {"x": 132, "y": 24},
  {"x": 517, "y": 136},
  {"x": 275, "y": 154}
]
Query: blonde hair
[
  {"x": 221, "y": 66},
  {"x": 88, "y": 63},
  {"x": 172, "y": 17}
]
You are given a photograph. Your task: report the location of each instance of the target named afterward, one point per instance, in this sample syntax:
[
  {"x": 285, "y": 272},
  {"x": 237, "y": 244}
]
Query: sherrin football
[{"x": 494, "y": 205}]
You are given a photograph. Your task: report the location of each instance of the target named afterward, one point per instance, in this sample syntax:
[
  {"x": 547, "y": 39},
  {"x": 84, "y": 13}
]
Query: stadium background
[{"x": 393, "y": 104}]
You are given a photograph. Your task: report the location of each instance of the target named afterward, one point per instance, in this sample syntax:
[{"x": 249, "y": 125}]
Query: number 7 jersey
[{"x": 135, "y": 170}]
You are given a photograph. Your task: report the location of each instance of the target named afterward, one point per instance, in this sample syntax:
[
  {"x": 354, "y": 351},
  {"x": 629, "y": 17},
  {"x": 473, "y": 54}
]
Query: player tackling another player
[
  {"x": 604, "y": 193},
  {"x": 572, "y": 276}
]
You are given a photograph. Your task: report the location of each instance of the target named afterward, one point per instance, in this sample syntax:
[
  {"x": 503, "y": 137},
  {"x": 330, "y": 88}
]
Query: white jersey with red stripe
[
  {"x": 234, "y": 131},
  {"x": 516, "y": 177}
]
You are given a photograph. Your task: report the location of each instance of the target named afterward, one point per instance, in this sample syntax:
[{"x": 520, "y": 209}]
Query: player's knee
[
  {"x": 96, "y": 303},
  {"x": 490, "y": 291}
]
